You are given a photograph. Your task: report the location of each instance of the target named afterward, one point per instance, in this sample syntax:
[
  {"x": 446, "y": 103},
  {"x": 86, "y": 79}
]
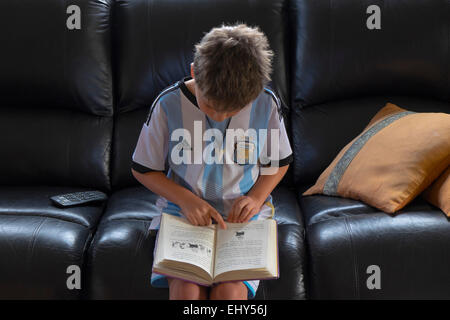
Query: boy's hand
[
  {"x": 244, "y": 208},
  {"x": 199, "y": 212}
]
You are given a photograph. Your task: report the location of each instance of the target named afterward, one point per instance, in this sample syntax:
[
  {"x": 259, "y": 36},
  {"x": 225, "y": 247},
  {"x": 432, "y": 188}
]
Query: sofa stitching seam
[{"x": 354, "y": 258}]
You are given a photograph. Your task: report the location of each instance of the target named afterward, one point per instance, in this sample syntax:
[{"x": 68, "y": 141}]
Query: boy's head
[{"x": 232, "y": 64}]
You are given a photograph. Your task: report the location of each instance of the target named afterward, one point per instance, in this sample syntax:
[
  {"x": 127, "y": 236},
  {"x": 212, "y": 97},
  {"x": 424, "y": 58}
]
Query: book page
[
  {"x": 187, "y": 243},
  {"x": 241, "y": 246}
]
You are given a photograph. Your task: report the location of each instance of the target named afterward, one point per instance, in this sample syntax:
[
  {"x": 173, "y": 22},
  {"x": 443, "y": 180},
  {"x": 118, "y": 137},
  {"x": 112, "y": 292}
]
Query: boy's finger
[
  {"x": 236, "y": 209},
  {"x": 245, "y": 211},
  {"x": 202, "y": 221},
  {"x": 216, "y": 216},
  {"x": 240, "y": 207},
  {"x": 205, "y": 218},
  {"x": 250, "y": 214},
  {"x": 192, "y": 220}
]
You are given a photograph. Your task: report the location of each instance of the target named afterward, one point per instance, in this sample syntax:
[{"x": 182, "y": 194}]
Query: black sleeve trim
[
  {"x": 281, "y": 162},
  {"x": 142, "y": 169},
  {"x": 286, "y": 161}
]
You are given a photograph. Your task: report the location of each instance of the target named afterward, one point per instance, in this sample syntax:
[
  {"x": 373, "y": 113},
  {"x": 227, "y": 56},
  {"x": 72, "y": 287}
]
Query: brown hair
[{"x": 232, "y": 64}]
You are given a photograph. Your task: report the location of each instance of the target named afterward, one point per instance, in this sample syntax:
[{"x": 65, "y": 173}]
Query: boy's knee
[
  {"x": 182, "y": 290},
  {"x": 229, "y": 291}
]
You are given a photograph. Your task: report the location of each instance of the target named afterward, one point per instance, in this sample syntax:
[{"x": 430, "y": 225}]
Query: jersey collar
[{"x": 186, "y": 91}]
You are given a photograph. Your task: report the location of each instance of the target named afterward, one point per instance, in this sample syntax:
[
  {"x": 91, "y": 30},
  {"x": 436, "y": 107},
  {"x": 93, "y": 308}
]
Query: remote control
[{"x": 76, "y": 198}]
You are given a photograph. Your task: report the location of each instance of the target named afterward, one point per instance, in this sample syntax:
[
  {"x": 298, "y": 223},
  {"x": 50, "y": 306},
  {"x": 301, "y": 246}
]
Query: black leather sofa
[
  {"x": 344, "y": 73},
  {"x": 72, "y": 103}
]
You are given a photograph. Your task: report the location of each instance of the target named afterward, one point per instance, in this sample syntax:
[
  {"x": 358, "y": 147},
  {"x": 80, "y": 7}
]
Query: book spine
[
  {"x": 278, "y": 254},
  {"x": 179, "y": 278},
  {"x": 268, "y": 278}
]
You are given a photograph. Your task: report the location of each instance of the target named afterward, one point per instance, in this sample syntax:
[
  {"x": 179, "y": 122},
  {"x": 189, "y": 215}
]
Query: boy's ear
[{"x": 192, "y": 70}]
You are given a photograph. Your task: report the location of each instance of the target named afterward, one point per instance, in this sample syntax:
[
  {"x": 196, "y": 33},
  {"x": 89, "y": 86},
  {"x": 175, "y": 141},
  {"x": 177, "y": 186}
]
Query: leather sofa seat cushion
[
  {"x": 39, "y": 241},
  {"x": 321, "y": 207},
  {"x": 121, "y": 254},
  {"x": 345, "y": 237}
]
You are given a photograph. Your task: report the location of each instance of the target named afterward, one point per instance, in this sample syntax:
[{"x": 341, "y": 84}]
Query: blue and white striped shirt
[{"x": 218, "y": 183}]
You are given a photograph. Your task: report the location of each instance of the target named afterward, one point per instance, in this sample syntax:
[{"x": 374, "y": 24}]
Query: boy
[{"x": 225, "y": 95}]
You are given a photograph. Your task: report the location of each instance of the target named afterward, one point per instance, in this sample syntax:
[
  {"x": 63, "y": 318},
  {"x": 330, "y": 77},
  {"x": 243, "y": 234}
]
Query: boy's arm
[
  {"x": 245, "y": 207},
  {"x": 150, "y": 153},
  {"x": 195, "y": 209}
]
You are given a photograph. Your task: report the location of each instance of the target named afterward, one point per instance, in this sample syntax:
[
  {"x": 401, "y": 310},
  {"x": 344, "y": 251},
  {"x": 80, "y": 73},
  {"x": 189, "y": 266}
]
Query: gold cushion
[
  {"x": 438, "y": 193},
  {"x": 396, "y": 157}
]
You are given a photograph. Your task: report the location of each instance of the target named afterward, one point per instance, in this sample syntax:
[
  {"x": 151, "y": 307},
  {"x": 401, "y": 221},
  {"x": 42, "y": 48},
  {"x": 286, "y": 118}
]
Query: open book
[{"x": 209, "y": 254}]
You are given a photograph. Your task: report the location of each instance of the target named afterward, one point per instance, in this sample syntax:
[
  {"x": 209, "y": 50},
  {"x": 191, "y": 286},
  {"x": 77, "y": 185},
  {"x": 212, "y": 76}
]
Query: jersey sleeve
[
  {"x": 277, "y": 146},
  {"x": 152, "y": 145}
]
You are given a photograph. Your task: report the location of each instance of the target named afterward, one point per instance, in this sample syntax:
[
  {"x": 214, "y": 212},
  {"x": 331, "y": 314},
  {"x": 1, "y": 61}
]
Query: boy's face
[{"x": 206, "y": 106}]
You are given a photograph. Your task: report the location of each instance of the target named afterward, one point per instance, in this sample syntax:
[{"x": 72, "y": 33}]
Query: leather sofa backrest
[
  {"x": 154, "y": 42},
  {"x": 56, "y": 101},
  {"x": 337, "y": 56},
  {"x": 154, "y": 46},
  {"x": 44, "y": 63},
  {"x": 344, "y": 72}
]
